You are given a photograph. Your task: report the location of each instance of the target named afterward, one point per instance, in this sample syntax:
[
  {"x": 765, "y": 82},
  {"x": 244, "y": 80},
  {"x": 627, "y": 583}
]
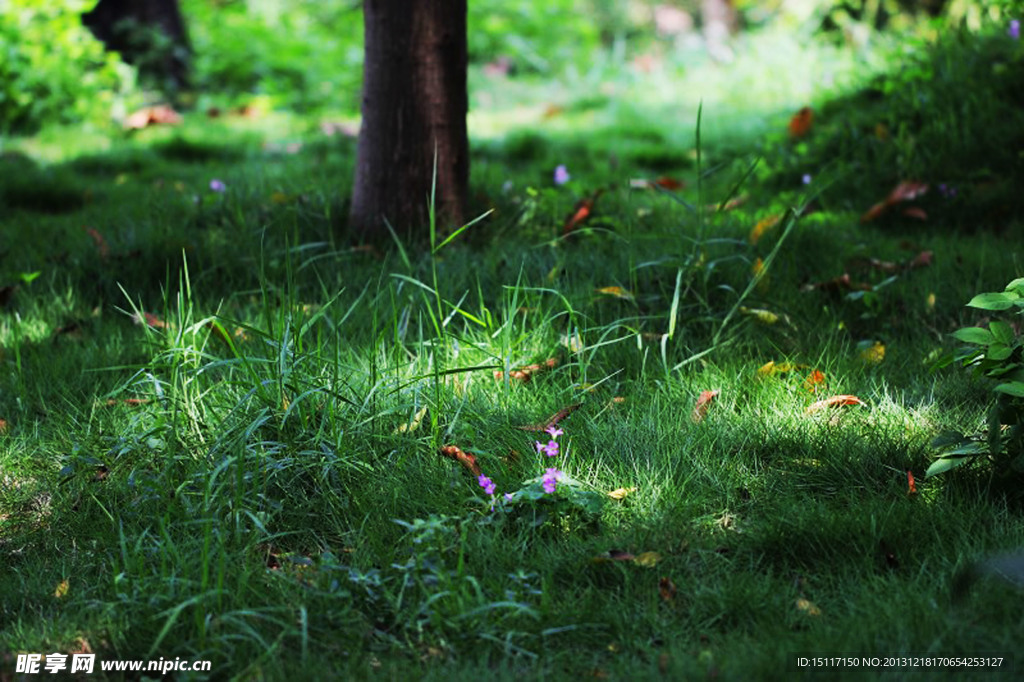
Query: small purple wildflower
[
  {"x": 806, "y": 179},
  {"x": 487, "y": 484},
  {"x": 551, "y": 450},
  {"x": 554, "y": 431},
  {"x": 1014, "y": 31},
  {"x": 541, "y": 447},
  {"x": 561, "y": 175},
  {"x": 508, "y": 497},
  {"x": 550, "y": 479},
  {"x": 218, "y": 186},
  {"x": 948, "y": 191}
]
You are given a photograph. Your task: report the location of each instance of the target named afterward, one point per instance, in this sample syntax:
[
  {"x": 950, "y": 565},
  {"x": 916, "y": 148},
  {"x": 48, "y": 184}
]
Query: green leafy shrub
[
  {"x": 52, "y": 69},
  {"x": 996, "y": 352}
]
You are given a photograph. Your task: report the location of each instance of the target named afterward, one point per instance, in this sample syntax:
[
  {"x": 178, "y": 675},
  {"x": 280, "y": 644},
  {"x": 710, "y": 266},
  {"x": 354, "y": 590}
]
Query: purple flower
[
  {"x": 540, "y": 446},
  {"x": 508, "y": 497},
  {"x": 218, "y": 186},
  {"x": 550, "y": 479},
  {"x": 1014, "y": 31},
  {"x": 806, "y": 179},
  {"x": 554, "y": 431},
  {"x": 486, "y": 483},
  {"x": 947, "y": 191},
  {"x": 561, "y": 175},
  {"x": 551, "y": 449}
]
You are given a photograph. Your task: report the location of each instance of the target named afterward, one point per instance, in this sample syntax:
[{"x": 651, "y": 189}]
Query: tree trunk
[
  {"x": 413, "y": 112},
  {"x": 148, "y": 33}
]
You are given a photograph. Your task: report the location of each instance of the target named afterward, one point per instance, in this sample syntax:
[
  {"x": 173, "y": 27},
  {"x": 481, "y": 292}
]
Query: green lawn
[{"x": 232, "y": 433}]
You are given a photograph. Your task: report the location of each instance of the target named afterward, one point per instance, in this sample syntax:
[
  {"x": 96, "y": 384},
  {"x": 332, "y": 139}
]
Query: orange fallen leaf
[
  {"x": 617, "y": 292},
  {"x": 911, "y": 486},
  {"x": 128, "y": 401},
  {"x": 613, "y": 555},
  {"x": 667, "y": 589},
  {"x": 157, "y": 115},
  {"x": 149, "y": 319},
  {"x": 463, "y": 458},
  {"x": 700, "y": 408},
  {"x": 733, "y": 203},
  {"x": 807, "y": 607},
  {"x": 763, "y": 226},
  {"x": 581, "y": 212},
  {"x": 553, "y": 419},
  {"x": 669, "y": 183},
  {"x": 801, "y": 122},
  {"x": 915, "y": 212},
  {"x": 620, "y": 493},
  {"x": 921, "y": 260},
  {"x": 813, "y": 379},
  {"x": 834, "y": 401},
  {"x": 907, "y": 190},
  {"x": 552, "y": 110},
  {"x": 3, "y": 425},
  {"x": 526, "y": 373}
]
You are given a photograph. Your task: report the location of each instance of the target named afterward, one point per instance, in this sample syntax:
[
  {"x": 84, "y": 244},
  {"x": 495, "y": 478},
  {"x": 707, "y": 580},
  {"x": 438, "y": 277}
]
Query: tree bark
[
  {"x": 413, "y": 112},
  {"x": 118, "y": 22}
]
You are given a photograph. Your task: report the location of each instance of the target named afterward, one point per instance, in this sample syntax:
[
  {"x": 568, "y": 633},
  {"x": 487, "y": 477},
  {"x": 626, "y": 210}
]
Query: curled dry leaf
[
  {"x": 553, "y": 419},
  {"x": 621, "y": 493},
  {"x": 647, "y": 559},
  {"x": 413, "y": 423},
  {"x": 526, "y": 373},
  {"x": 801, "y": 122},
  {"x": 667, "y": 589},
  {"x": 617, "y": 292},
  {"x": 465, "y": 459},
  {"x": 700, "y": 408},
  {"x": 834, "y": 401},
  {"x": 907, "y": 190},
  {"x": 62, "y": 589},
  {"x": 157, "y": 115},
  {"x": 911, "y": 485},
  {"x": 806, "y": 606},
  {"x": 763, "y": 226},
  {"x": 581, "y": 212}
]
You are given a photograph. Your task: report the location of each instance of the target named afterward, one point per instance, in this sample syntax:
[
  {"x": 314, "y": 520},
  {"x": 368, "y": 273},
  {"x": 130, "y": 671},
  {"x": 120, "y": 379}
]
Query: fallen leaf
[
  {"x": 62, "y": 589},
  {"x": 911, "y": 486},
  {"x": 761, "y": 315},
  {"x": 149, "y": 319},
  {"x": 551, "y": 110},
  {"x": 811, "y": 383},
  {"x": 801, "y": 122},
  {"x": 762, "y": 226},
  {"x": 3, "y": 425},
  {"x": 617, "y": 292},
  {"x": 873, "y": 354},
  {"x": 621, "y": 493},
  {"x": 128, "y": 401},
  {"x": 921, "y": 260},
  {"x": 647, "y": 559},
  {"x": 771, "y": 368},
  {"x": 413, "y": 424},
  {"x": 526, "y": 373},
  {"x": 581, "y": 212},
  {"x": 916, "y": 212},
  {"x": 156, "y": 115},
  {"x": 667, "y": 589},
  {"x": 553, "y": 419},
  {"x": 463, "y": 458},
  {"x": 807, "y": 607},
  {"x": 834, "y": 401},
  {"x": 669, "y": 183},
  {"x": 733, "y": 203},
  {"x": 700, "y": 408},
  {"x": 907, "y": 190}
]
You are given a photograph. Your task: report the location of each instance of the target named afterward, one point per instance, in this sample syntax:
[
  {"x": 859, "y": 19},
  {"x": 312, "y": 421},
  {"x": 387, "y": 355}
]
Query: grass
[{"x": 254, "y": 476}]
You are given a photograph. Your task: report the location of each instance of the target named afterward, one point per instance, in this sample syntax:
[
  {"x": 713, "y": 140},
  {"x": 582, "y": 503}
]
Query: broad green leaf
[
  {"x": 1002, "y": 331},
  {"x": 998, "y": 352},
  {"x": 976, "y": 335},
  {"x": 1014, "y": 388},
  {"x": 945, "y": 464},
  {"x": 948, "y": 438},
  {"x": 994, "y": 301},
  {"x": 1016, "y": 285}
]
